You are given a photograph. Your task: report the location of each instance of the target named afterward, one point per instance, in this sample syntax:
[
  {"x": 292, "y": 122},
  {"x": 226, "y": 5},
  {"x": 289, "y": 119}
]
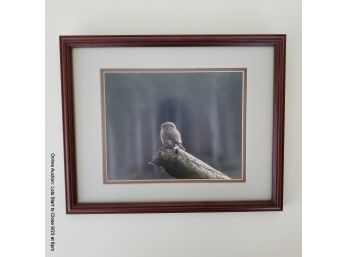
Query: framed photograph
[{"x": 173, "y": 123}]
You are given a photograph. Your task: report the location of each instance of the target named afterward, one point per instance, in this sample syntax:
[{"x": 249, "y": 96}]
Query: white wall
[{"x": 255, "y": 234}]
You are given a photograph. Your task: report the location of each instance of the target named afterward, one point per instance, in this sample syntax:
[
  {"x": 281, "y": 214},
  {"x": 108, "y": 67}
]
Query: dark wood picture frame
[{"x": 68, "y": 43}]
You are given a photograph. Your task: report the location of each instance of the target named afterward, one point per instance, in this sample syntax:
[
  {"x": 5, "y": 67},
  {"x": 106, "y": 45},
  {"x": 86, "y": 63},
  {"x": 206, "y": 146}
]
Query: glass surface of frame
[{"x": 137, "y": 101}]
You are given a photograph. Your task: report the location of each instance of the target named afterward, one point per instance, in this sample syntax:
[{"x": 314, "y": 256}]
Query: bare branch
[{"x": 182, "y": 165}]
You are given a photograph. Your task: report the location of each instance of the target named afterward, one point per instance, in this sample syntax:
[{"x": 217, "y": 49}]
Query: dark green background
[{"x": 205, "y": 106}]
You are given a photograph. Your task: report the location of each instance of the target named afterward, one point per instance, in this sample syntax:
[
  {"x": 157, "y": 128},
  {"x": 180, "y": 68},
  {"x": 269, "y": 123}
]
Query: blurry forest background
[{"x": 205, "y": 106}]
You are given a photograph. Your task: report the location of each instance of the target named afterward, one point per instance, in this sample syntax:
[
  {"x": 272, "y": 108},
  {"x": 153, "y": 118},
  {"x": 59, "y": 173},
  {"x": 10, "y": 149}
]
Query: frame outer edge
[
  {"x": 67, "y": 43},
  {"x": 68, "y": 124},
  {"x": 278, "y": 123}
]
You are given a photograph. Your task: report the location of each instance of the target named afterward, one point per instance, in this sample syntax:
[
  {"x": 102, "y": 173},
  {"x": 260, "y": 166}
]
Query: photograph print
[{"x": 173, "y": 125}]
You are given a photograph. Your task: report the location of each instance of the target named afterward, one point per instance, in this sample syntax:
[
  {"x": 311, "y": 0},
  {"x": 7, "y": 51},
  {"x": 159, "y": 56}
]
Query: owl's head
[{"x": 167, "y": 125}]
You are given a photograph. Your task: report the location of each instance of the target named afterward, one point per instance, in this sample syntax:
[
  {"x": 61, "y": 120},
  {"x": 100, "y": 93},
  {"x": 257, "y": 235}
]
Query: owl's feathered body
[{"x": 170, "y": 136}]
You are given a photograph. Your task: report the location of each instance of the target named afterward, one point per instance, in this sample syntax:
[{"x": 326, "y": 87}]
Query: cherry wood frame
[{"x": 68, "y": 43}]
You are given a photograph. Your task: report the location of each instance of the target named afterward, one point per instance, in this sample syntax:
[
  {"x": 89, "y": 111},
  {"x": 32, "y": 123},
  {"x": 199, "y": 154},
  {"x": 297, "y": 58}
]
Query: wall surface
[{"x": 216, "y": 234}]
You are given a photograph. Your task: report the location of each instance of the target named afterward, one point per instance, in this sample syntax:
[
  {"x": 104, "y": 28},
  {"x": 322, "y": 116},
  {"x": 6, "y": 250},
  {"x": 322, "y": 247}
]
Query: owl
[{"x": 170, "y": 136}]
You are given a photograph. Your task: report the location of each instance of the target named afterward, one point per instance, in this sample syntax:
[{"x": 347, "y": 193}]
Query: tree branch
[{"x": 183, "y": 165}]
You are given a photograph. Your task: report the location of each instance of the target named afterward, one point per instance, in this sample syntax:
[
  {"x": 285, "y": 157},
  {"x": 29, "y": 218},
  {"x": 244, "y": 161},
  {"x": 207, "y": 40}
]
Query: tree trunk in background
[{"x": 214, "y": 125}]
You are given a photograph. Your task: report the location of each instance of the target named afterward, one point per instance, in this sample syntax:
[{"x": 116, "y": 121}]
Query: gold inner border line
[{"x": 172, "y": 70}]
